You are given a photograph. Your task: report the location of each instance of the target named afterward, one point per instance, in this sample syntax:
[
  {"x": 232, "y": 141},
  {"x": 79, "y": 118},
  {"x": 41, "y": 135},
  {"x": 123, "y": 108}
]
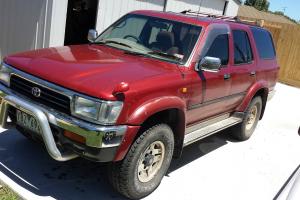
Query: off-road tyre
[
  {"x": 125, "y": 177},
  {"x": 245, "y": 129}
]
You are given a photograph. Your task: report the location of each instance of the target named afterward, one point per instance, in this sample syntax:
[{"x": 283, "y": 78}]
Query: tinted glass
[
  {"x": 264, "y": 43},
  {"x": 153, "y": 37},
  {"x": 242, "y": 48},
  {"x": 219, "y": 49},
  {"x": 132, "y": 26}
]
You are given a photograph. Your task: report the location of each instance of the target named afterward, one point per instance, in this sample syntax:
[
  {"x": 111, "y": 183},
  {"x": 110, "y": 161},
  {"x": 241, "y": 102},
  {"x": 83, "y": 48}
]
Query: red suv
[{"x": 150, "y": 84}]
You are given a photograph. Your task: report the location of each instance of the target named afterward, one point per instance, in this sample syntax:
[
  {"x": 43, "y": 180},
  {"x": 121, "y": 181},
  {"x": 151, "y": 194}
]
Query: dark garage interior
[{"x": 81, "y": 16}]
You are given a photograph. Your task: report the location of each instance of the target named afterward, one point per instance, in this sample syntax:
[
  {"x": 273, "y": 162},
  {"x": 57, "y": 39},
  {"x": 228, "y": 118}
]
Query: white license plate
[{"x": 27, "y": 121}]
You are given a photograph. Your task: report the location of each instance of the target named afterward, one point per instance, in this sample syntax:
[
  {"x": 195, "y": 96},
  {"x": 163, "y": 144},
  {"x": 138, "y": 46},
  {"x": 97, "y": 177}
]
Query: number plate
[{"x": 27, "y": 121}]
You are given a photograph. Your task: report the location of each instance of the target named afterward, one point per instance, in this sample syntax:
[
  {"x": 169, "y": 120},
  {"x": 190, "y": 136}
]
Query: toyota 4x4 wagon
[{"x": 150, "y": 84}]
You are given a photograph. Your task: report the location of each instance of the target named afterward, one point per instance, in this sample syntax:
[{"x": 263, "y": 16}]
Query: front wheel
[
  {"x": 145, "y": 164},
  {"x": 244, "y": 130}
]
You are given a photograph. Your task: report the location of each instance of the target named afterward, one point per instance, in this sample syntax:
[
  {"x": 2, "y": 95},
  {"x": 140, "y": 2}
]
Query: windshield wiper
[
  {"x": 135, "y": 53},
  {"x": 159, "y": 53},
  {"x": 112, "y": 42}
]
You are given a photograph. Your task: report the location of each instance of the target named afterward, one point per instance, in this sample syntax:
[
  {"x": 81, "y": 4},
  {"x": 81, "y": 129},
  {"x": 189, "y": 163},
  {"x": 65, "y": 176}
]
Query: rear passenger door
[{"x": 243, "y": 65}]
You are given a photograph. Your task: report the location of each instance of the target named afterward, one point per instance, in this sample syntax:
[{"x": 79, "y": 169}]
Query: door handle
[
  {"x": 252, "y": 73},
  {"x": 227, "y": 76}
]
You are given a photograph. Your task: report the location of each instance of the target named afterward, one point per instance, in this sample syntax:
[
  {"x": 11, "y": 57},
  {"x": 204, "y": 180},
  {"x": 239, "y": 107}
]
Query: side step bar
[{"x": 210, "y": 127}]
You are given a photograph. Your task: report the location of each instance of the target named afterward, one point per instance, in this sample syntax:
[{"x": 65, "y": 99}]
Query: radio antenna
[{"x": 199, "y": 9}]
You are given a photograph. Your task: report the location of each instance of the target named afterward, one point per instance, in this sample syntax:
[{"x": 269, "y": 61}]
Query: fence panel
[{"x": 286, "y": 39}]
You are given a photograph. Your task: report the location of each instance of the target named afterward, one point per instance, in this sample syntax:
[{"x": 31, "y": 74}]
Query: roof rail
[
  {"x": 212, "y": 15},
  {"x": 222, "y": 17}
]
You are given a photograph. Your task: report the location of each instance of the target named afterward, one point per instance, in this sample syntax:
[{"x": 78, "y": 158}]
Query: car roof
[{"x": 187, "y": 18}]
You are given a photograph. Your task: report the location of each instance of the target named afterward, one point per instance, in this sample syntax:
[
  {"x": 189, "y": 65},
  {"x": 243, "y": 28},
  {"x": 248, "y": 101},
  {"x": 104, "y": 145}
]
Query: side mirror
[
  {"x": 92, "y": 35},
  {"x": 210, "y": 64}
]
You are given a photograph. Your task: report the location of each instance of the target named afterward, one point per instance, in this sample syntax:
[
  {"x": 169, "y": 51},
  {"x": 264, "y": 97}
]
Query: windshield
[{"x": 153, "y": 37}]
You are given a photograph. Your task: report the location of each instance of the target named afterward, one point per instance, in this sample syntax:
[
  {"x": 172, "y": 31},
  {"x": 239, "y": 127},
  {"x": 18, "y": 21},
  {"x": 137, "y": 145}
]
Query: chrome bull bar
[{"x": 11, "y": 100}]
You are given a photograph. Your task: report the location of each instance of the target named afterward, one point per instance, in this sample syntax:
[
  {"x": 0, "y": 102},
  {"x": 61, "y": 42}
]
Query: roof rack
[
  {"x": 222, "y": 17},
  {"x": 211, "y": 15}
]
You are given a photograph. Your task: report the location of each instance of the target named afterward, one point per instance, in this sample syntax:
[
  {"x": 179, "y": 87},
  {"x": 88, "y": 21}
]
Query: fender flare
[
  {"x": 153, "y": 106},
  {"x": 252, "y": 91},
  {"x": 148, "y": 109}
]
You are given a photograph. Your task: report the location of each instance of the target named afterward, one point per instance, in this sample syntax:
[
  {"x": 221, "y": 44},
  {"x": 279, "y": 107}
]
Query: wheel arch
[
  {"x": 174, "y": 118},
  {"x": 168, "y": 110},
  {"x": 258, "y": 89}
]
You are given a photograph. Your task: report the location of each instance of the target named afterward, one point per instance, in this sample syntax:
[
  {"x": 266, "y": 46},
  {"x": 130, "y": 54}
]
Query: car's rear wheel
[
  {"x": 144, "y": 166},
  {"x": 244, "y": 130}
]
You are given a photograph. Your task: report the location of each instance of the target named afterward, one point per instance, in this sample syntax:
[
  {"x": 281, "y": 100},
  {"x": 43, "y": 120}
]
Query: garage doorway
[{"x": 81, "y": 16}]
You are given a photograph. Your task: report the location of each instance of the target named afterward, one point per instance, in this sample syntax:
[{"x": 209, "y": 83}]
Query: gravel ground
[
  {"x": 6, "y": 193},
  {"x": 215, "y": 168}
]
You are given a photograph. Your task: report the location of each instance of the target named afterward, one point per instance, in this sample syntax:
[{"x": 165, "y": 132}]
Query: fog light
[
  {"x": 74, "y": 137},
  {"x": 108, "y": 136}
]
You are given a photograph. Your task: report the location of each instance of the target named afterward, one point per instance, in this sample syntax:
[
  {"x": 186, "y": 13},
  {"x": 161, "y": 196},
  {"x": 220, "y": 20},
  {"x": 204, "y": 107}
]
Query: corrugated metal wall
[
  {"x": 111, "y": 10},
  {"x": 32, "y": 24},
  {"x": 24, "y": 25},
  {"x": 209, "y": 6},
  {"x": 232, "y": 8}
]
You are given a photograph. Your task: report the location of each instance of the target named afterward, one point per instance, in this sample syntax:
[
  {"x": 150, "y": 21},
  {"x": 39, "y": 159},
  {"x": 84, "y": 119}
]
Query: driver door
[{"x": 215, "y": 86}]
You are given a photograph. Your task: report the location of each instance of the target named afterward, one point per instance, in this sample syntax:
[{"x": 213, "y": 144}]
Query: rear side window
[
  {"x": 264, "y": 43},
  {"x": 219, "y": 49},
  {"x": 242, "y": 49}
]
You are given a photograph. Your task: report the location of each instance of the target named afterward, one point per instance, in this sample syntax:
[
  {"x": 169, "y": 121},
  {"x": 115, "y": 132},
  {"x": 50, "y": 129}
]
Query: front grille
[{"x": 47, "y": 97}]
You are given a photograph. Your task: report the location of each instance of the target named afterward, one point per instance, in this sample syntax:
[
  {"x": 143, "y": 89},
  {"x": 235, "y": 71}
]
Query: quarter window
[
  {"x": 242, "y": 49},
  {"x": 264, "y": 43}
]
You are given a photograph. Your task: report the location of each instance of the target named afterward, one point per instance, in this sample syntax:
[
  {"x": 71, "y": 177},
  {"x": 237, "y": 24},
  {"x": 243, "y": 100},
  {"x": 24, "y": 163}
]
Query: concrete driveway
[{"x": 215, "y": 168}]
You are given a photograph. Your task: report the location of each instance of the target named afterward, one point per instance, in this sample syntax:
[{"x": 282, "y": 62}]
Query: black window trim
[
  {"x": 251, "y": 48},
  {"x": 228, "y": 49}
]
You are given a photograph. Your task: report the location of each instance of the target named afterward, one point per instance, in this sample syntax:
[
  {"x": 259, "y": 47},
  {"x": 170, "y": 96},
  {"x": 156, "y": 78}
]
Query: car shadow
[
  {"x": 29, "y": 165},
  {"x": 201, "y": 148}
]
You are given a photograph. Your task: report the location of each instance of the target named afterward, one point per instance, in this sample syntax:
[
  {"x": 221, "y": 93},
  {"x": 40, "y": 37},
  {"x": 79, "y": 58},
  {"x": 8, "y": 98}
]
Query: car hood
[{"x": 93, "y": 70}]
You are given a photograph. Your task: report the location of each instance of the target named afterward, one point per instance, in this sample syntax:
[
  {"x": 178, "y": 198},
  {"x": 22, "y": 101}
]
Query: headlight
[
  {"x": 5, "y": 72},
  {"x": 104, "y": 112}
]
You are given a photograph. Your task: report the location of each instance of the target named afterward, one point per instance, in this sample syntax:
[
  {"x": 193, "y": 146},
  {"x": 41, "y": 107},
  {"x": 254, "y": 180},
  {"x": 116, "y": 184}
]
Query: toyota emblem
[{"x": 35, "y": 91}]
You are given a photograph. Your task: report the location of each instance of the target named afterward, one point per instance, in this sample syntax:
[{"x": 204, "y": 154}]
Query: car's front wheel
[{"x": 144, "y": 166}]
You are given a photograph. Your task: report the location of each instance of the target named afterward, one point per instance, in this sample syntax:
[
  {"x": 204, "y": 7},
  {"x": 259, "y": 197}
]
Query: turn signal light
[
  {"x": 74, "y": 137},
  {"x": 120, "y": 88}
]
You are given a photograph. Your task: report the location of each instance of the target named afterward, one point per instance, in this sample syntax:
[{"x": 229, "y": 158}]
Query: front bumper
[{"x": 99, "y": 140}]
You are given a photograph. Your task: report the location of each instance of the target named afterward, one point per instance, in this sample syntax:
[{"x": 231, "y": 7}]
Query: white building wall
[
  {"x": 111, "y": 10},
  {"x": 232, "y": 8},
  {"x": 33, "y": 24},
  {"x": 24, "y": 25},
  {"x": 209, "y": 6},
  {"x": 58, "y": 23}
]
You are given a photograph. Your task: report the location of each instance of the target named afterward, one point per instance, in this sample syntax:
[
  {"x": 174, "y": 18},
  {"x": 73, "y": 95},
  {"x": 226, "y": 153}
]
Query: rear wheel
[
  {"x": 244, "y": 130},
  {"x": 144, "y": 166}
]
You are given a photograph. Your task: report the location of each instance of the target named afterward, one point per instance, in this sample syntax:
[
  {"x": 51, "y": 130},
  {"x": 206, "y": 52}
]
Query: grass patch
[{"x": 7, "y": 194}]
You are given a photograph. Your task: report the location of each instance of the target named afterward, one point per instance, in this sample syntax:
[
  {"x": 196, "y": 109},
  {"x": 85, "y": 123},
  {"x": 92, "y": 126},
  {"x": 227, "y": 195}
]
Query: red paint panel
[
  {"x": 126, "y": 142},
  {"x": 250, "y": 94}
]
